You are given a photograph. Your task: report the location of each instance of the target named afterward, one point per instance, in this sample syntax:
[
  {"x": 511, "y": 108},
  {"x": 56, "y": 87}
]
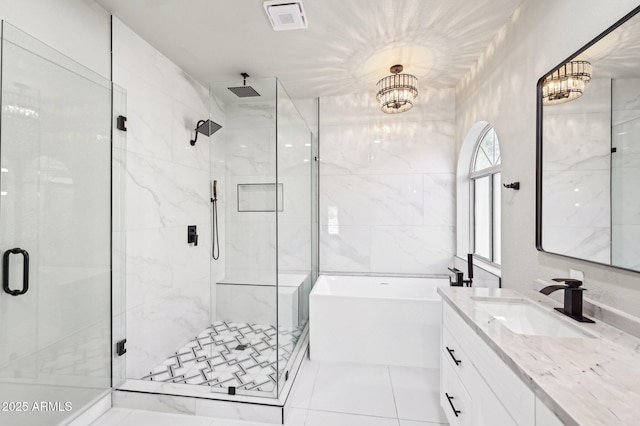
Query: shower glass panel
[
  {"x": 118, "y": 234},
  {"x": 55, "y": 158},
  {"x": 294, "y": 161},
  {"x": 262, "y": 280},
  {"x": 244, "y": 280}
]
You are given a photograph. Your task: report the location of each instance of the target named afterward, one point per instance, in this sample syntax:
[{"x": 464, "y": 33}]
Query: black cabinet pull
[
  {"x": 449, "y": 398},
  {"x": 451, "y": 351},
  {"x": 25, "y": 273}
]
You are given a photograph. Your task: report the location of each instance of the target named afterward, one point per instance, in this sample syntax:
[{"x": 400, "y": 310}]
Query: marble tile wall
[
  {"x": 387, "y": 185},
  {"x": 167, "y": 189},
  {"x": 218, "y": 162},
  {"x": 500, "y": 89},
  {"x": 577, "y": 162},
  {"x": 254, "y": 243},
  {"x": 250, "y": 143}
]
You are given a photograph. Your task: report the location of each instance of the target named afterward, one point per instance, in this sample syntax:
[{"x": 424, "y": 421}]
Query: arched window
[{"x": 484, "y": 177}]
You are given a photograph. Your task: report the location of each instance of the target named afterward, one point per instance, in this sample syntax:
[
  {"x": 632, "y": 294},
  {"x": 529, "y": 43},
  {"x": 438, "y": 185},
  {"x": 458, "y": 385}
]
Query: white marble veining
[
  {"x": 149, "y": 269},
  {"x": 254, "y": 242},
  {"x": 439, "y": 199},
  {"x": 405, "y": 146},
  {"x": 167, "y": 189},
  {"x": 386, "y": 186},
  {"x": 346, "y": 200},
  {"x": 246, "y": 303},
  {"x": 260, "y": 114},
  {"x": 576, "y": 198},
  {"x": 625, "y": 251},
  {"x": 625, "y": 100},
  {"x": 250, "y": 151},
  {"x": 577, "y": 175},
  {"x": 294, "y": 247},
  {"x": 584, "y": 381},
  {"x": 411, "y": 249},
  {"x": 577, "y": 141},
  {"x": 397, "y": 200},
  {"x": 345, "y": 248},
  {"x": 345, "y": 148},
  {"x": 585, "y": 243}
]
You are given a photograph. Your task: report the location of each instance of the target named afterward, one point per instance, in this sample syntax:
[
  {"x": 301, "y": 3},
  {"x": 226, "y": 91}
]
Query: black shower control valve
[{"x": 192, "y": 235}]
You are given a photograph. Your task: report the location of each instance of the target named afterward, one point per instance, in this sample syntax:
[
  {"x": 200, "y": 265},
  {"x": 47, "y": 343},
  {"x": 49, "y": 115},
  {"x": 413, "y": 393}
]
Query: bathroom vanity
[{"x": 509, "y": 358}]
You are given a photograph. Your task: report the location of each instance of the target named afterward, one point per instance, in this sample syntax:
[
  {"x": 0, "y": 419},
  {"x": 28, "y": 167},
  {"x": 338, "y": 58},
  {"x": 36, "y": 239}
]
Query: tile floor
[
  {"x": 331, "y": 394},
  {"x": 231, "y": 354}
]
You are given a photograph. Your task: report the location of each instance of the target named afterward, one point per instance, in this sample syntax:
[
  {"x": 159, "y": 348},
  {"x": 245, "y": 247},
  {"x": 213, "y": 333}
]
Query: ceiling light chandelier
[
  {"x": 566, "y": 83},
  {"x": 397, "y": 92}
]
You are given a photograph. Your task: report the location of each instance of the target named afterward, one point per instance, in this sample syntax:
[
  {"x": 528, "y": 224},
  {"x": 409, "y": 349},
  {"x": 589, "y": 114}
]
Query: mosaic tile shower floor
[{"x": 230, "y": 354}]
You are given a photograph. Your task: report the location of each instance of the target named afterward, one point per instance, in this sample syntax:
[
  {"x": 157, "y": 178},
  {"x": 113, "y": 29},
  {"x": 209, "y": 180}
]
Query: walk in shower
[
  {"x": 104, "y": 286},
  {"x": 55, "y": 230},
  {"x": 263, "y": 163}
]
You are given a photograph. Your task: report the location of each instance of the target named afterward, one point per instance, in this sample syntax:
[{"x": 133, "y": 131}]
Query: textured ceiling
[{"x": 348, "y": 46}]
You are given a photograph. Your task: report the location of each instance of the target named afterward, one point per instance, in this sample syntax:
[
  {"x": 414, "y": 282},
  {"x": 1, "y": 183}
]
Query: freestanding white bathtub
[{"x": 377, "y": 320}]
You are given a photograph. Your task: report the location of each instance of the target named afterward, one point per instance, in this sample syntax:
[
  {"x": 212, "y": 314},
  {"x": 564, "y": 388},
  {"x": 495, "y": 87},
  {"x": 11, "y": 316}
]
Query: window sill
[{"x": 485, "y": 266}]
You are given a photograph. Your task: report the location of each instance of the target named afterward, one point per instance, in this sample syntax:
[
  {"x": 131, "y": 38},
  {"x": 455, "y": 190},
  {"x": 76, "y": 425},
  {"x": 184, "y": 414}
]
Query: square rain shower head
[
  {"x": 244, "y": 91},
  {"x": 208, "y": 128}
]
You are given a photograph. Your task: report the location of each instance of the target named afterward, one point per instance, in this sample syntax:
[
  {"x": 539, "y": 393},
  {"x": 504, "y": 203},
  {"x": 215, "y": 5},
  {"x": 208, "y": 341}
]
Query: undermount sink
[{"x": 523, "y": 317}]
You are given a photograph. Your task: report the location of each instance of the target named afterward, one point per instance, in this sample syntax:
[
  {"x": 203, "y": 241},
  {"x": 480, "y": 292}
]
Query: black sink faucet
[{"x": 572, "y": 297}]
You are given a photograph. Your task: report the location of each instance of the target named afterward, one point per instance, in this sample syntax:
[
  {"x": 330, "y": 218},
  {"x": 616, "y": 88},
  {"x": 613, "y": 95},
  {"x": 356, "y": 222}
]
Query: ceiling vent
[{"x": 285, "y": 15}]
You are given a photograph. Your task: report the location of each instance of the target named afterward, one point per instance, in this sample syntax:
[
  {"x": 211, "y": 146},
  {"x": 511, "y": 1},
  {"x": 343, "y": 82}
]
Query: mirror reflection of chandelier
[
  {"x": 566, "y": 83},
  {"x": 397, "y": 92}
]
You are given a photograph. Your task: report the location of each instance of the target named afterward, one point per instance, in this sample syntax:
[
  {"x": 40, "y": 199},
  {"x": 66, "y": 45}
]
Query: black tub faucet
[
  {"x": 460, "y": 281},
  {"x": 572, "y": 297}
]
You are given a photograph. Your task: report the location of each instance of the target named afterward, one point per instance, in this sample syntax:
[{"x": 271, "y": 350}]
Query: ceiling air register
[{"x": 286, "y": 15}]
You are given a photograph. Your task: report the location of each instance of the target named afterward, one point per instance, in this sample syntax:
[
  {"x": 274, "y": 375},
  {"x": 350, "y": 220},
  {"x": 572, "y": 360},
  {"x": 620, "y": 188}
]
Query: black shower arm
[{"x": 198, "y": 124}]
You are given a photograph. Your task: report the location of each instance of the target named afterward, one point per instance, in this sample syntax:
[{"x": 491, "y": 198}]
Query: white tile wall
[
  {"x": 167, "y": 185},
  {"x": 387, "y": 185},
  {"x": 500, "y": 89}
]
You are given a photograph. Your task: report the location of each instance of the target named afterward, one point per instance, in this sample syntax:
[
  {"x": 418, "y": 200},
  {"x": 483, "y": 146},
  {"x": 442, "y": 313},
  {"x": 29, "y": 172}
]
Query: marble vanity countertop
[{"x": 584, "y": 381}]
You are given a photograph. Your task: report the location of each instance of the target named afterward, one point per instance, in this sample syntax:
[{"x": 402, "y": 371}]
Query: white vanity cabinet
[{"x": 477, "y": 388}]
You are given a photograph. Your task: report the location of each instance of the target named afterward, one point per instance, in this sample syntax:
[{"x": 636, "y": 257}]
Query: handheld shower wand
[{"x": 215, "y": 244}]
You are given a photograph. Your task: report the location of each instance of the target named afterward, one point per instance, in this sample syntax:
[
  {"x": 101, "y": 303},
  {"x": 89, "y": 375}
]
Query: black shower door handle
[{"x": 25, "y": 272}]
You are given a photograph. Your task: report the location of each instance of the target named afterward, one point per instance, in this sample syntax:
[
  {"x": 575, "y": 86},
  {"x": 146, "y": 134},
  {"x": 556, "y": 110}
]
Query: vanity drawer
[
  {"x": 456, "y": 356},
  {"x": 512, "y": 392},
  {"x": 454, "y": 399}
]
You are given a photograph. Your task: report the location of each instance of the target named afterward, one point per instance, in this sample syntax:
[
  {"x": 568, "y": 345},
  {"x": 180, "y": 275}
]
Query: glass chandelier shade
[
  {"x": 566, "y": 83},
  {"x": 397, "y": 92}
]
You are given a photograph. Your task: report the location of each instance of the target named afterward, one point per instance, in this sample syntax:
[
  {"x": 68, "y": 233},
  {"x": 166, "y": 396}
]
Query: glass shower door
[{"x": 55, "y": 233}]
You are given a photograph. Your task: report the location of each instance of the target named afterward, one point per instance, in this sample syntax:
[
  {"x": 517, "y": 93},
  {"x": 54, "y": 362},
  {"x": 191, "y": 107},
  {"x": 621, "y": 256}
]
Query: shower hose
[{"x": 215, "y": 244}]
